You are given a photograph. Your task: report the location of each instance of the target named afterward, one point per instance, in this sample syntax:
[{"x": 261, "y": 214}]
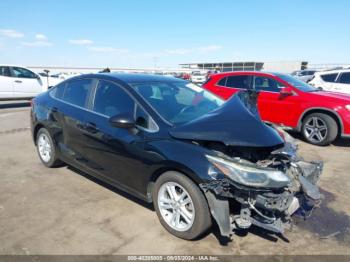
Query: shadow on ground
[
  {"x": 339, "y": 142},
  {"x": 16, "y": 104},
  {"x": 324, "y": 222}
]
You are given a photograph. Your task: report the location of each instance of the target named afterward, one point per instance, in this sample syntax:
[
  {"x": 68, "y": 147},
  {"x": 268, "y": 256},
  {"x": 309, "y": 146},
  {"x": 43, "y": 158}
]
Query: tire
[
  {"x": 323, "y": 121},
  {"x": 201, "y": 219},
  {"x": 51, "y": 159}
]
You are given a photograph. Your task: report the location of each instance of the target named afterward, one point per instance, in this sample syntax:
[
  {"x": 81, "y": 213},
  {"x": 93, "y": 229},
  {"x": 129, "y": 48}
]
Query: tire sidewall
[
  {"x": 202, "y": 220},
  {"x": 332, "y": 129},
  {"x": 53, "y": 158}
]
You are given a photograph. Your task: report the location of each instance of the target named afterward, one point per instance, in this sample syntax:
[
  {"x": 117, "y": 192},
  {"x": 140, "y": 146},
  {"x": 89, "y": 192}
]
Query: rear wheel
[
  {"x": 319, "y": 129},
  {"x": 181, "y": 206},
  {"x": 46, "y": 148}
]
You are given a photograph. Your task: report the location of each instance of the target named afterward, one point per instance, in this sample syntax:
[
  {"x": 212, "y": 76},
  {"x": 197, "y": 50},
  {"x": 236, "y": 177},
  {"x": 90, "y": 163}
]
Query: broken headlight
[{"x": 249, "y": 174}]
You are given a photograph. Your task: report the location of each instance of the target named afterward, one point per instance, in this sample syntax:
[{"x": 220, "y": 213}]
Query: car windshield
[
  {"x": 297, "y": 83},
  {"x": 178, "y": 102}
]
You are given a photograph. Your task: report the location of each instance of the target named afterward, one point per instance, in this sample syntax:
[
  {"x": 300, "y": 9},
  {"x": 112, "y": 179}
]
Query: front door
[
  {"x": 117, "y": 154},
  {"x": 274, "y": 107},
  {"x": 25, "y": 83}
]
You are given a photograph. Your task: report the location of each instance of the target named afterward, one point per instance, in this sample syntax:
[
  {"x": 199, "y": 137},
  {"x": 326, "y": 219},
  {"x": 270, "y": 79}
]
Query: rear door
[
  {"x": 343, "y": 83},
  {"x": 329, "y": 80},
  {"x": 273, "y": 107},
  {"x": 69, "y": 113},
  {"x": 6, "y": 86},
  {"x": 25, "y": 83}
]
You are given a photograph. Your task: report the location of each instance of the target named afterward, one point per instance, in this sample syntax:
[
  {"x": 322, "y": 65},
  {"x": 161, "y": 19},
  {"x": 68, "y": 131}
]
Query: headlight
[
  {"x": 250, "y": 175},
  {"x": 347, "y": 107}
]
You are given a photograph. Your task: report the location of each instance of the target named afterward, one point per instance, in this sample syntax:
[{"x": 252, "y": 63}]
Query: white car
[
  {"x": 198, "y": 77},
  {"x": 21, "y": 83},
  {"x": 304, "y": 75},
  {"x": 335, "y": 80}
]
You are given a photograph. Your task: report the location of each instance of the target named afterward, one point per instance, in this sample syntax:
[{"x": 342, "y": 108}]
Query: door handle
[
  {"x": 18, "y": 81},
  {"x": 91, "y": 128}
]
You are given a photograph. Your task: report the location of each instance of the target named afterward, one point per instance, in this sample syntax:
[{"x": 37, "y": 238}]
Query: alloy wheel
[
  {"x": 176, "y": 206},
  {"x": 315, "y": 129},
  {"x": 44, "y": 146}
]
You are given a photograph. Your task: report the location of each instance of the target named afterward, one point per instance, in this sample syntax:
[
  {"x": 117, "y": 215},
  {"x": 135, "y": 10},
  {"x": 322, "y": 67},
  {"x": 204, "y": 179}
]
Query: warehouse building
[{"x": 281, "y": 66}]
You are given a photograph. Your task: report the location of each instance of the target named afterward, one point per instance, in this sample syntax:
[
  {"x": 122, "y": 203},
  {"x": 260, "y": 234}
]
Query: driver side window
[
  {"x": 262, "y": 83},
  {"x": 22, "y": 73}
]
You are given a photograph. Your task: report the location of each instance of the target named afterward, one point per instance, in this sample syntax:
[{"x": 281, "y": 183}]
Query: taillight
[{"x": 31, "y": 103}]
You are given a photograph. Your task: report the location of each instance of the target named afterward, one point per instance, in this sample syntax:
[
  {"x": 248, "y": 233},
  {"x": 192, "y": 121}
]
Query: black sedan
[{"x": 172, "y": 143}]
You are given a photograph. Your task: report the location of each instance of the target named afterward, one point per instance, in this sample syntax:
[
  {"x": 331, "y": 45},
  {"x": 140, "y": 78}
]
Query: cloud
[
  {"x": 37, "y": 44},
  {"x": 11, "y": 33},
  {"x": 81, "y": 42},
  {"x": 180, "y": 51},
  {"x": 107, "y": 49},
  {"x": 209, "y": 48},
  {"x": 41, "y": 37}
]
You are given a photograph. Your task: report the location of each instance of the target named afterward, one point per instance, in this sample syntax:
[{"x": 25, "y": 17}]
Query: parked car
[
  {"x": 198, "y": 77},
  {"x": 210, "y": 73},
  {"x": 21, "y": 83},
  {"x": 336, "y": 80},
  {"x": 186, "y": 76},
  {"x": 170, "y": 142},
  {"x": 304, "y": 75},
  {"x": 319, "y": 115}
]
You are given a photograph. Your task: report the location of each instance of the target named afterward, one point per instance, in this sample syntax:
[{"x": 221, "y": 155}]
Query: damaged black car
[{"x": 198, "y": 159}]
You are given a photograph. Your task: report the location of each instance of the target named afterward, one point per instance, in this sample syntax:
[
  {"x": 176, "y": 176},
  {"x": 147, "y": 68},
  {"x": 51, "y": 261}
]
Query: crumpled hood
[{"x": 235, "y": 123}]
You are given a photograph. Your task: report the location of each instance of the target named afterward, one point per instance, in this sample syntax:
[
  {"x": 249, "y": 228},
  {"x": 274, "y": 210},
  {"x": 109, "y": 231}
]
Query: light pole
[{"x": 47, "y": 77}]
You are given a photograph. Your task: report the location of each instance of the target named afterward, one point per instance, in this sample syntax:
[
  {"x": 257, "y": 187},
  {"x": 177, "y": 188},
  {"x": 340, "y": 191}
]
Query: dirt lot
[{"x": 61, "y": 211}]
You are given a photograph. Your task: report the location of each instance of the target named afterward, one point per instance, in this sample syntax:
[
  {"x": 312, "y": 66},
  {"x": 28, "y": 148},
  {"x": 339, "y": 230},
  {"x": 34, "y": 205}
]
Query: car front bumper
[{"x": 271, "y": 210}]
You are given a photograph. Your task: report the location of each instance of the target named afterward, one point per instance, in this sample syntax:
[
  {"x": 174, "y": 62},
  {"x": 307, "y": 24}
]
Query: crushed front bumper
[{"x": 264, "y": 208}]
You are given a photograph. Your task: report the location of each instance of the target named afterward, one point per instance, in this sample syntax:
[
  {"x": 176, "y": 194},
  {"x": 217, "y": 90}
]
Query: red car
[{"x": 319, "y": 115}]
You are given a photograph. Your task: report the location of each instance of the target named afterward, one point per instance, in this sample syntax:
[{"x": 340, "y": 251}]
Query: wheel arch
[
  {"x": 173, "y": 166},
  {"x": 36, "y": 130},
  {"x": 322, "y": 110}
]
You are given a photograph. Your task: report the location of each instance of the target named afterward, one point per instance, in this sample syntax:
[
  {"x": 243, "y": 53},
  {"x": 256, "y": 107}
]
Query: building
[{"x": 282, "y": 66}]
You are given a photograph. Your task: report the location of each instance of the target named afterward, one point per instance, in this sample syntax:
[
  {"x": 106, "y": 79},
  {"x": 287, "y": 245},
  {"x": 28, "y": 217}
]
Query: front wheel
[
  {"x": 319, "y": 129},
  {"x": 181, "y": 206}
]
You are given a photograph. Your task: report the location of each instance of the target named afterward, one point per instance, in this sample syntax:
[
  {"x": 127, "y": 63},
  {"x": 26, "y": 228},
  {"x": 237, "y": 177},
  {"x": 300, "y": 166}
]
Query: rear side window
[
  {"x": 222, "y": 82},
  {"x": 58, "y": 91},
  {"x": 111, "y": 100},
  {"x": 4, "y": 71},
  {"x": 77, "y": 92},
  {"x": 329, "y": 77},
  {"x": 344, "y": 78},
  {"x": 243, "y": 82}
]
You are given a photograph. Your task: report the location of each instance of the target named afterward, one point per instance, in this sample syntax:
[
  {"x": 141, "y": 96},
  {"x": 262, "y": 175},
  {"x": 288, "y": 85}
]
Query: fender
[{"x": 324, "y": 109}]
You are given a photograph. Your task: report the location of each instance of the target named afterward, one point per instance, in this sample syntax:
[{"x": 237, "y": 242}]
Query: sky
[{"x": 163, "y": 33}]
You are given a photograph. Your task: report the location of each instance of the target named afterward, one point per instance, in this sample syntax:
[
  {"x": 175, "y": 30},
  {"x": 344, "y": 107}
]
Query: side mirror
[
  {"x": 122, "y": 121},
  {"x": 285, "y": 91}
]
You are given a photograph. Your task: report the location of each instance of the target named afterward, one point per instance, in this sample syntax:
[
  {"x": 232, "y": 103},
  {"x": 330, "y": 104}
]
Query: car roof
[
  {"x": 246, "y": 72},
  {"x": 134, "y": 77},
  {"x": 333, "y": 71}
]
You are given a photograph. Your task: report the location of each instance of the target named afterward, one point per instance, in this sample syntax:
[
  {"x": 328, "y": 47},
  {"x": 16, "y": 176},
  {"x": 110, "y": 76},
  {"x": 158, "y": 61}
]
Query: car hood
[
  {"x": 235, "y": 123},
  {"x": 334, "y": 95}
]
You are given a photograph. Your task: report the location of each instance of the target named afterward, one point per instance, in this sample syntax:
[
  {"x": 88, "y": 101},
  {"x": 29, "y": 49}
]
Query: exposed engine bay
[{"x": 269, "y": 206}]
